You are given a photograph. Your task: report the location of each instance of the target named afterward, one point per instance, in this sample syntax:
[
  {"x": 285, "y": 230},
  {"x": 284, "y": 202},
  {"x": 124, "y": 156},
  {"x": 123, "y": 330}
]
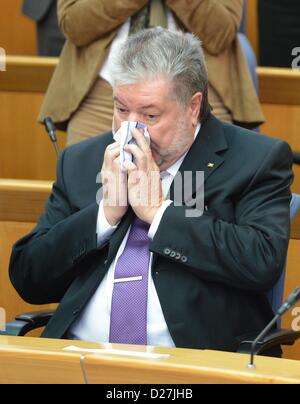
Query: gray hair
[{"x": 160, "y": 52}]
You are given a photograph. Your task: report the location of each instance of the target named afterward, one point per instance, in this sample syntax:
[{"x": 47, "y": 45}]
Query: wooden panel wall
[
  {"x": 17, "y": 33},
  {"x": 26, "y": 151},
  {"x": 283, "y": 122},
  {"x": 280, "y": 98},
  {"x": 292, "y": 281}
]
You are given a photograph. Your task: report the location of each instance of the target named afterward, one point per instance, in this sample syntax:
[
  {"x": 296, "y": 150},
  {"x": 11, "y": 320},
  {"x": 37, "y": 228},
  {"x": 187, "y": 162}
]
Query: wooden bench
[
  {"x": 21, "y": 204},
  {"x": 26, "y": 151},
  {"x": 292, "y": 281},
  {"x": 280, "y": 98}
]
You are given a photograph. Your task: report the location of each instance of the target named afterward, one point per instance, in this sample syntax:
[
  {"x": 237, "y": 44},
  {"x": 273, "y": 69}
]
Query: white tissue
[{"x": 124, "y": 136}]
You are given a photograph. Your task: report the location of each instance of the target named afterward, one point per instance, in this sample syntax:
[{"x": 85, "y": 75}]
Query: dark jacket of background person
[
  {"x": 90, "y": 27},
  {"x": 44, "y": 13},
  {"x": 279, "y": 31}
]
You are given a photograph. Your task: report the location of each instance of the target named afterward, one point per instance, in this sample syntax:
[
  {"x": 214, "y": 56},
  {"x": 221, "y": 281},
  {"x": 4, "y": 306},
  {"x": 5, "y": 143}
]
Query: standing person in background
[
  {"x": 44, "y": 13},
  {"x": 279, "y": 31},
  {"x": 79, "y": 97}
]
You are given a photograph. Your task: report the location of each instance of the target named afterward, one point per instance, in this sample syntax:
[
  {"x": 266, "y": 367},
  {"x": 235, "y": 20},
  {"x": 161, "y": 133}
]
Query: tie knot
[
  {"x": 139, "y": 230},
  {"x": 140, "y": 224}
]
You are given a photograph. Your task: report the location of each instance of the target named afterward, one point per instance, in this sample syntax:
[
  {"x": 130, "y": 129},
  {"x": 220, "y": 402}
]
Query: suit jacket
[
  {"x": 90, "y": 27},
  {"x": 211, "y": 273},
  {"x": 279, "y": 31},
  {"x": 36, "y": 10}
]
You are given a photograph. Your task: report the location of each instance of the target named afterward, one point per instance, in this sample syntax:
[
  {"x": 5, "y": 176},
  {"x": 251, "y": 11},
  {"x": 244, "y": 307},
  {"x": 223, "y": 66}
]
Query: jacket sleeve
[
  {"x": 215, "y": 22},
  {"x": 247, "y": 253},
  {"x": 63, "y": 244},
  {"x": 84, "y": 21}
]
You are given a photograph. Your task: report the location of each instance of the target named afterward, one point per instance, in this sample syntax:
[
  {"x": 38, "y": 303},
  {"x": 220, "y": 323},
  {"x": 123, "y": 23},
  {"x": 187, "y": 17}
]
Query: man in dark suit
[
  {"x": 208, "y": 273},
  {"x": 44, "y": 13}
]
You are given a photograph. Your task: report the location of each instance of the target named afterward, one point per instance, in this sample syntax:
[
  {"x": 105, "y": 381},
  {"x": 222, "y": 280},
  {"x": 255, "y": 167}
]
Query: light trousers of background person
[{"x": 94, "y": 115}]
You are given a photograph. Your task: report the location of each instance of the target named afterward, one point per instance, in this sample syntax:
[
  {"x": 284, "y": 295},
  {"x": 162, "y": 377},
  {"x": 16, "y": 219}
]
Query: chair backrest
[
  {"x": 247, "y": 48},
  {"x": 295, "y": 205},
  {"x": 275, "y": 296},
  {"x": 250, "y": 57}
]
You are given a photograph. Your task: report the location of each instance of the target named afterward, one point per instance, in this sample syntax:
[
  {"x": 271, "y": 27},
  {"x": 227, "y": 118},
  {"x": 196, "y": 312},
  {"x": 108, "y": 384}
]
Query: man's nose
[{"x": 134, "y": 117}]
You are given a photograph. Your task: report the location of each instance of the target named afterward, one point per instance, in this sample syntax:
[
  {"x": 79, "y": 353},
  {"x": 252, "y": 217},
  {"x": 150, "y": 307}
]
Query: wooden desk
[
  {"x": 29, "y": 74},
  {"x": 29, "y": 360},
  {"x": 279, "y": 91},
  {"x": 23, "y": 201},
  {"x": 191, "y": 367},
  {"x": 17, "y": 32},
  {"x": 279, "y": 86}
]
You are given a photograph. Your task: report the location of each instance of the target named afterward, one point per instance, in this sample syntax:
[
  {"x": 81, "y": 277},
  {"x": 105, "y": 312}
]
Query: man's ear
[{"x": 195, "y": 107}]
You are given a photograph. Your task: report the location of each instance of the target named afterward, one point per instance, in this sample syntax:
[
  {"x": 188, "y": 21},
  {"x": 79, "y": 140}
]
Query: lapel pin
[{"x": 210, "y": 165}]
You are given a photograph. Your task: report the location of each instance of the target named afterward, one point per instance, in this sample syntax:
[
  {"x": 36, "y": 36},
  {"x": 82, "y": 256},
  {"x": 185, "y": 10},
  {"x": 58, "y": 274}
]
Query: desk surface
[{"x": 31, "y": 360}]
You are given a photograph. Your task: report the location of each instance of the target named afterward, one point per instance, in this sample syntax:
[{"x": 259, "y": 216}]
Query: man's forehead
[
  {"x": 143, "y": 105},
  {"x": 147, "y": 92},
  {"x": 147, "y": 82}
]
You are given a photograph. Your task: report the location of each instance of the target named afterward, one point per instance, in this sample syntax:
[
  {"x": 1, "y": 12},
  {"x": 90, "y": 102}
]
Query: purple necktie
[{"x": 128, "y": 322}]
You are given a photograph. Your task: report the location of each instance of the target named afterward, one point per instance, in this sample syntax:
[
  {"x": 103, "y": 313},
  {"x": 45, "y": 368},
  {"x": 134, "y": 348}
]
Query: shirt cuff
[
  {"x": 104, "y": 229},
  {"x": 157, "y": 219}
]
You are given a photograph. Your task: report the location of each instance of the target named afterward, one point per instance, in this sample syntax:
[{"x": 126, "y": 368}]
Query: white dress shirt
[{"x": 94, "y": 322}]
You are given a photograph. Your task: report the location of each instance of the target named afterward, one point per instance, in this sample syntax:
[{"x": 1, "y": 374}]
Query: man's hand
[
  {"x": 144, "y": 185},
  {"x": 115, "y": 203}
]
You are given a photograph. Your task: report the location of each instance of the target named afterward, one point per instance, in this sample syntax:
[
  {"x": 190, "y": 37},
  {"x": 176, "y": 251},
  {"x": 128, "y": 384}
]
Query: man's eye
[
  {"x": 122, "y": 110},
  {"x": 152, "y": 117}
]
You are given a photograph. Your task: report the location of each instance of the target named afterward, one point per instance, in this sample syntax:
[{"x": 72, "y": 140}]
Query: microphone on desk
[
  {"x": 297, "y": 158},
  {"x": 51, "y": 130},
  {"x": 293, "y": 298}
]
